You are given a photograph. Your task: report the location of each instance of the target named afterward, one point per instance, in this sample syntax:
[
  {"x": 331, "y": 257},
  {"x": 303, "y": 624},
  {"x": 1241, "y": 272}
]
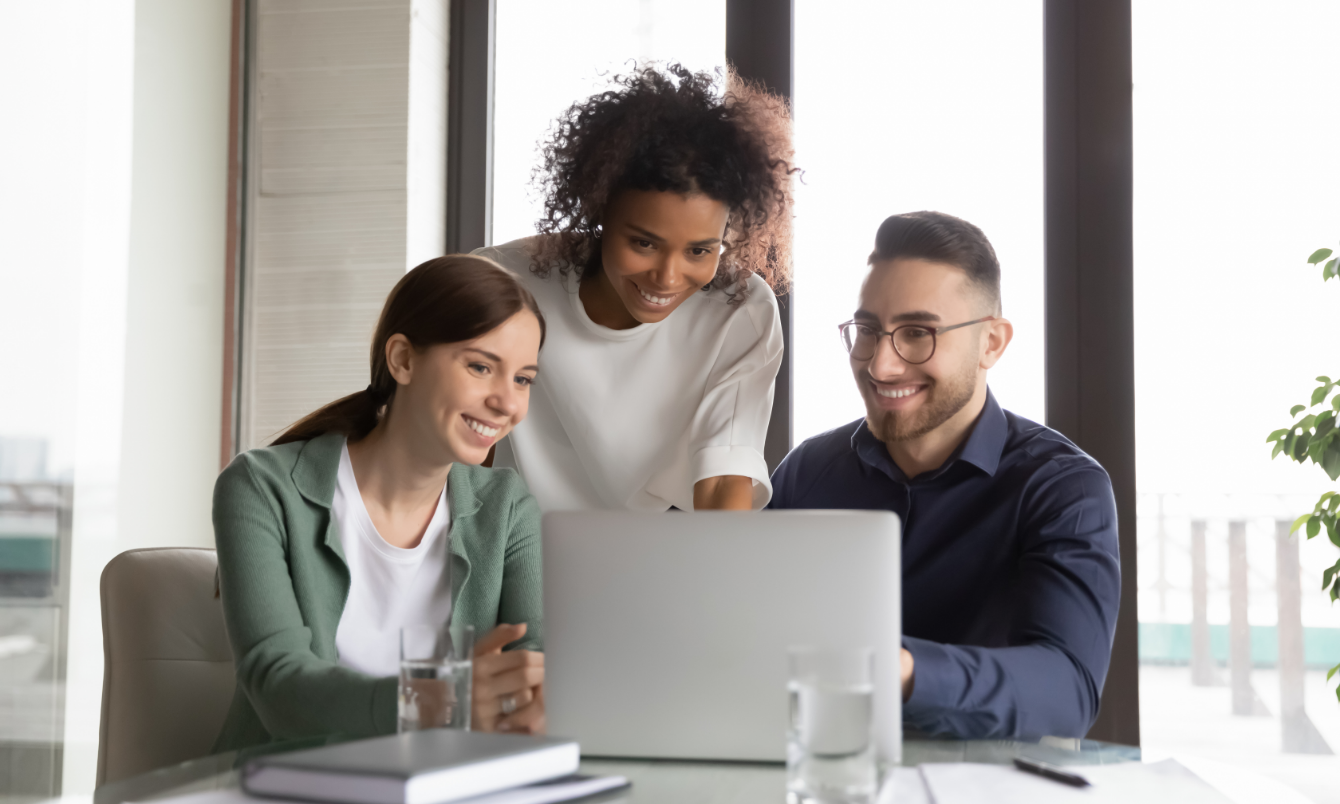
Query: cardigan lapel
[
  {"x": 315, "y": 474},
  {"x": 464, "y": 504}
]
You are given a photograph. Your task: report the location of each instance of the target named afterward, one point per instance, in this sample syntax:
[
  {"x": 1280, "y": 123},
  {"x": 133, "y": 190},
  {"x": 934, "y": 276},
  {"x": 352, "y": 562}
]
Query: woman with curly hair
[{"x": 665, "y": 233}]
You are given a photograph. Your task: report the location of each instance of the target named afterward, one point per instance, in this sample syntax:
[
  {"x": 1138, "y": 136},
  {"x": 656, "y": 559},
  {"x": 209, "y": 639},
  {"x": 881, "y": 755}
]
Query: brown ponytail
[{"x": 445, "y": 300}]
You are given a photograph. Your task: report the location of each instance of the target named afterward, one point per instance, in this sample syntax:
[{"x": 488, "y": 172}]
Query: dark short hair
[{"x": 938, "y": 237}]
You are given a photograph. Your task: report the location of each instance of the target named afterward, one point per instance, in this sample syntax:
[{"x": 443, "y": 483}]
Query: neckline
[
  {"x": 437, "y": 524},
  {"x": 573, "y": 287}
]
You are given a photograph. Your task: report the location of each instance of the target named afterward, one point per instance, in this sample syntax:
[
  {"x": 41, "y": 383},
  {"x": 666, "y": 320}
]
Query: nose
[
  {"x": 886, "y": 363},
  {"x": 507, "y": 399},
  {"x": 669, "y": 271}
]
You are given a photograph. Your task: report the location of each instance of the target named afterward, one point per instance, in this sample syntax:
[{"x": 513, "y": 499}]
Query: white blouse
[
  {"x": 389, "y": 587},
  {"x": 631, "y": 419}
]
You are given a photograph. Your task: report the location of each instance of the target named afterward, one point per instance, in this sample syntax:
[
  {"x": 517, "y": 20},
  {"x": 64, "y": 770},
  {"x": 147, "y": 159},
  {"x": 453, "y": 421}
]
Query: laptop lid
[{"x": 666, "y": 635}]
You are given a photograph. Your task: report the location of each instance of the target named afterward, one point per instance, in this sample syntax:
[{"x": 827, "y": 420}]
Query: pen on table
[{"x": 1050, "y": 771}]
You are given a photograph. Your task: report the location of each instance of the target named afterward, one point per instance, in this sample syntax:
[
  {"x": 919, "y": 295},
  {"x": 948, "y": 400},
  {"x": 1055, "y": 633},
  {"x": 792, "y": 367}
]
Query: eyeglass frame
[{"x": 879, "y": 334}]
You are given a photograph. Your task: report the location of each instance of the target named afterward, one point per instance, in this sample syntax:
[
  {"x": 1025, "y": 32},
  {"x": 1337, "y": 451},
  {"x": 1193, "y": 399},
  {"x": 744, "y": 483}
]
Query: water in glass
[
  {"x": 830, "y": 740},
  {"x": 434, "y": 693}
]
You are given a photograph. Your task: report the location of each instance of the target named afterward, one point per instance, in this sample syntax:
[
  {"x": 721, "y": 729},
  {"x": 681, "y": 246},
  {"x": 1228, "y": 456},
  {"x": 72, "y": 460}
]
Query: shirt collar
[{"x": 982, "y": 448}]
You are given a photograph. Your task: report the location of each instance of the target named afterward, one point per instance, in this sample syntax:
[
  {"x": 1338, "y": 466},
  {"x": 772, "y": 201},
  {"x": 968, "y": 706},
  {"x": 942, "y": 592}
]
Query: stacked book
[{"x": 434, "y": 766}]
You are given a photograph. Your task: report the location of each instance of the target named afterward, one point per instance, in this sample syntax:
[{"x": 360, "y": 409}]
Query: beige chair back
[{"x": 168, "y": 674}]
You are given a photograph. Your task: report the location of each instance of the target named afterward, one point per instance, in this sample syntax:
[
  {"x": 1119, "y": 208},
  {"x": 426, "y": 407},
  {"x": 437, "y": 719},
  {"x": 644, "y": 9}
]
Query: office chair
[{"x": 168, "y": 674}]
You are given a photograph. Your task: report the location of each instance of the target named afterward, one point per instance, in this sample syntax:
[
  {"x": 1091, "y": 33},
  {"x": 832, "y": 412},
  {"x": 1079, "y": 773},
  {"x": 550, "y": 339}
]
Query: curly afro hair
[{"x": 671, "y": 130}]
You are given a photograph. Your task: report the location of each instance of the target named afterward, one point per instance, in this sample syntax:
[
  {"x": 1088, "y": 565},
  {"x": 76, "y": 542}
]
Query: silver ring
[{"x": 508, "y": 704}]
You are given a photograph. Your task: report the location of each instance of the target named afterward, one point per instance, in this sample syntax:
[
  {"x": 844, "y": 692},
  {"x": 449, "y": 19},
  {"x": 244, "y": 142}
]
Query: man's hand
[
  {"x": 909, "y": 677},
  {"x": 508, "y": 691}
]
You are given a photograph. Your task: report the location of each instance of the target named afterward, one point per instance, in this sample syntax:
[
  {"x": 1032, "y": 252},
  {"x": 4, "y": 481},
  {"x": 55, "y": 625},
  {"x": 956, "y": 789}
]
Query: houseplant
[{"x": 1315, "y": 437}]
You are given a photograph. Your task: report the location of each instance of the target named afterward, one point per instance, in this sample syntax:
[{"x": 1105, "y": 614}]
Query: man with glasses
[{"x": 1011, "y": 578}]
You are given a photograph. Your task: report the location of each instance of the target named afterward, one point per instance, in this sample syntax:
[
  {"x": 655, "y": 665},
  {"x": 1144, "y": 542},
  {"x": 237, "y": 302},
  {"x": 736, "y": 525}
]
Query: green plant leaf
[
  {"x": 1325, "y": 379},
  {"x": 1332, "y": 672},
  {"x": 1300, "y": 446},
  {"x": 1320, "y": 393},
  {"x": 1330, "y": 461},
  {"x": 1277, "y": 435},
  {"x": 1328, "y": 577},
  {"x": 1307, "y": 421},
  {"x": 1313, "y": 527},
  {"x": 1298, "y": 523},
  {"x": 1297, "y": 409},
  {"x": 1277, "y": 450},
  {"x": 1335, "y": 403},
  {"x": 1328, "y": 270},
  {"x": 1319, "y": 255}
]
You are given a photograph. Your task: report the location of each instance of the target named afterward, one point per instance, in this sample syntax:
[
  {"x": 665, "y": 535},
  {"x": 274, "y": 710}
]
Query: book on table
[{"x": 433, "y": 766}]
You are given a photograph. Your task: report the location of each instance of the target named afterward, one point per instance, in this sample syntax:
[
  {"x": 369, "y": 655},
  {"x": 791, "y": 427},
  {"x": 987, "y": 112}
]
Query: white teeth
[
  {"x": 896, "y": 393},
  {"x": 661, "y": 300},
  {"x": 489, "y": 432}
]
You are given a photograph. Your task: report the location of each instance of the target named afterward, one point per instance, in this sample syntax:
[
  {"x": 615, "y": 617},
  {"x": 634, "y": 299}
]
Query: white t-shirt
[
  {"x": 389, "y": 587},
  {"x": 631, "y": 419}
]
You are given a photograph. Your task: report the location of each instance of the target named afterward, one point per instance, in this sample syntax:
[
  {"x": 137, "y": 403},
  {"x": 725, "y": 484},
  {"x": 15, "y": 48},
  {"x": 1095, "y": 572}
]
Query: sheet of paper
[
  {"x": 904, "y": 786},
  {"x": 1146, "y": 783}
]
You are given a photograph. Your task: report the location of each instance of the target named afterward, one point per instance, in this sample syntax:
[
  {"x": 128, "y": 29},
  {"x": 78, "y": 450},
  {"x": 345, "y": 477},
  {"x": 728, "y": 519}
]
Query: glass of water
[
  {"x": 435, "y": 678},
  {"x": 830, "y": 752}
]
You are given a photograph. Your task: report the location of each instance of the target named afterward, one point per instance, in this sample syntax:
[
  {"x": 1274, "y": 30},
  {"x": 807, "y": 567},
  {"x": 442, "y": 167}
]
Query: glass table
[{"x": 676, "y": 782}]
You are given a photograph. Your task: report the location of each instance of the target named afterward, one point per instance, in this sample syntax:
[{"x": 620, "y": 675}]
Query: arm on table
[{"x": 1048, "y": 680}]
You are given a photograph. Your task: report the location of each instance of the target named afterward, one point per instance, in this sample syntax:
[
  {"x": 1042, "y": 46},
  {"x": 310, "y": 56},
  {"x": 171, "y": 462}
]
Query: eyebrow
[
  {"x": 711, "y": 241},
  {"x": 915, "y": 315},
  {"x": 496, "y": 359}
]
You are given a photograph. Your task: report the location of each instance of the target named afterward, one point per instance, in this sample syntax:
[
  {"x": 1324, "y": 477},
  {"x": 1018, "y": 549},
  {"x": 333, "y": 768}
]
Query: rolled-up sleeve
[
  {"x": 730, "y": 426},
  {"x": 1048, "y": 680}
]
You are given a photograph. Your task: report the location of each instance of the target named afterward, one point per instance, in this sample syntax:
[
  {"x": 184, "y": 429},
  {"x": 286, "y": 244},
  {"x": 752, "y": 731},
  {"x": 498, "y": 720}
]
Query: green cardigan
[{"x": 284, "y": 582}]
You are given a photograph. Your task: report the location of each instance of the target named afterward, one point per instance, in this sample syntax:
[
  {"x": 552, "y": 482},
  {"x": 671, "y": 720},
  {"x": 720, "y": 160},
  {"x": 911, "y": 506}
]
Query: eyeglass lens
[{"x": 913, "y": 344}]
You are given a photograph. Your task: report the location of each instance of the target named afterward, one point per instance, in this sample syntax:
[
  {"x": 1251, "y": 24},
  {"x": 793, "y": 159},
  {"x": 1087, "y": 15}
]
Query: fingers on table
[
  {"x": 505, "y": 668},
  {"x": 491, "y": 707},
  {"x": 528, "y": 720}
]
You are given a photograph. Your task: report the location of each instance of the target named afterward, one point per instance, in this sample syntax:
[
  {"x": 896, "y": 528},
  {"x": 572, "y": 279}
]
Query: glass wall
[
  {"x": 112, "y": 210},
  {"x": 550, "y": 55},
  {"x": 904, "y": 106},
  {"x": 1236, "y": 171}
]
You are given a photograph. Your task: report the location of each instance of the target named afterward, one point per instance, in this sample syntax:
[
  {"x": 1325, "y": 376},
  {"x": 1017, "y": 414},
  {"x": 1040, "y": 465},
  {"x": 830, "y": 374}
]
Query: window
[
  {"x": 902, "y": 107},
  {"x": 1235, "y": 176},
  {"x": 551, "y": 55}
]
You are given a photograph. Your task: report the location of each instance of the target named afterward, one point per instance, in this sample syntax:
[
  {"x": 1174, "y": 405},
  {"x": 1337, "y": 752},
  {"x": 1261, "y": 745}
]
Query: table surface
[{"x": 666, "y": 781}]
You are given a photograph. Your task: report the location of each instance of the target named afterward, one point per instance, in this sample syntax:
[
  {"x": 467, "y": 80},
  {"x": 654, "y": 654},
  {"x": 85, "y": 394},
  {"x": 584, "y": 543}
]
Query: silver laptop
[{"x": 666, "y": 635}]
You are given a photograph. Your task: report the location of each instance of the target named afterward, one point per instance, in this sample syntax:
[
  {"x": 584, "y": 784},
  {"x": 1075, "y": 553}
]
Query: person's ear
[
  {"x": 400, "y": 358},
  {"x": 997, "y": 337}
]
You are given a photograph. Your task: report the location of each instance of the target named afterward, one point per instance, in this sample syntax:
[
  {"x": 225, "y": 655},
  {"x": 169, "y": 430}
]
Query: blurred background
[{"x": 144, "y": 339}]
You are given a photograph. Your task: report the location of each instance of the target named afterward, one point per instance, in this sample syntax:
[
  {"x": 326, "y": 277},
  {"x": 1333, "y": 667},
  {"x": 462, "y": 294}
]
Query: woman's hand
[{"x": 508, "y": 687}]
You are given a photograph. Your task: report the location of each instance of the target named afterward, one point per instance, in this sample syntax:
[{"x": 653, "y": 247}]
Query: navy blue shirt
[{"x": 1011, "y": 577}]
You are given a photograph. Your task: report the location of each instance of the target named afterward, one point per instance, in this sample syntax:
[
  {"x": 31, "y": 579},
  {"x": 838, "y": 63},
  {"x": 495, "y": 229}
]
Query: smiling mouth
[
  {"x": 897, "y": 393},
  {"x": 659, "y": 301},
  {"x": 480, "y": 427}
]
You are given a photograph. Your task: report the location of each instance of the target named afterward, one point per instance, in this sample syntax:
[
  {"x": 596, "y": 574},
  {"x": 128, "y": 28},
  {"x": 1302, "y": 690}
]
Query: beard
[{"x": 944, "y": 400}]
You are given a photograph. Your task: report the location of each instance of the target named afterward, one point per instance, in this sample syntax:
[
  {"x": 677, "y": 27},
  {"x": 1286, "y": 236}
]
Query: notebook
[{"x": 433, "y": 766}]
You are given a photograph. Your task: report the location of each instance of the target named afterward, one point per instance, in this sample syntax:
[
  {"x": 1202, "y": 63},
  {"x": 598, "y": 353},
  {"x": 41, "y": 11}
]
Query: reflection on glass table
[{"x": 652, "y": 780}]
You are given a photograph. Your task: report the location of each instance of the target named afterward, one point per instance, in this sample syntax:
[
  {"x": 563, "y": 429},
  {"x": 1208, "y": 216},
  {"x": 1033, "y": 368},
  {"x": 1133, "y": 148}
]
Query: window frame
[{"x": 1088, "y": 214}]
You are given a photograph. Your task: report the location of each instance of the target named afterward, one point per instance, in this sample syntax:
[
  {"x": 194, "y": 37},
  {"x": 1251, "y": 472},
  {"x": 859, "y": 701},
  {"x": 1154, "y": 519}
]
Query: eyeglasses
[{"x": 914, "y": 343}]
